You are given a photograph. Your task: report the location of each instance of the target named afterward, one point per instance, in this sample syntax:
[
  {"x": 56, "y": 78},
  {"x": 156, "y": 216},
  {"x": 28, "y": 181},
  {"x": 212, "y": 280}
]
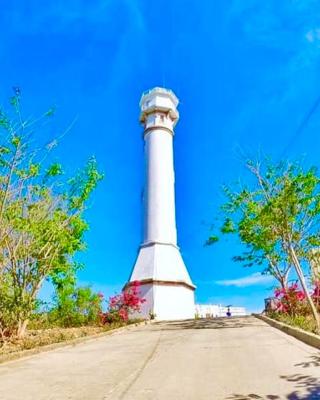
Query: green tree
[
  {"x": 277, "y": 217},
  {"x": 41, "y": 216},
  {"x": 74, "y": 305}
]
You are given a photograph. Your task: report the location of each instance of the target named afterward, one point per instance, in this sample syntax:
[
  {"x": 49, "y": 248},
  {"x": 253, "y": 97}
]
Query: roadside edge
[
  {"x": 53, "y": 346},
  {"x": 306, "y": 337}
]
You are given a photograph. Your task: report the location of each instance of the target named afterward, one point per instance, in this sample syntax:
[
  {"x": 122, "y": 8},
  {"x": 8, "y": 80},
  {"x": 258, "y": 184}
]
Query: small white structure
[
  {"x": 215, "y": 310},
  {"x": 165, "y": 282}
]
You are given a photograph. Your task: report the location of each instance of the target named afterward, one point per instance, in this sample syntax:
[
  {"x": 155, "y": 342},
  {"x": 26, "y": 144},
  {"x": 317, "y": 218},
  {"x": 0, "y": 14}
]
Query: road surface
[{"x": 236, "y": 358}]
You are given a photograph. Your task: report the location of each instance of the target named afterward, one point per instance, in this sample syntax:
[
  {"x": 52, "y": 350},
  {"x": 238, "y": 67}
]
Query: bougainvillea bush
[
  {"x": 291, "y": 307},
  {"x": 122, "y": 305},
  {"x": 291, "y": 300}
]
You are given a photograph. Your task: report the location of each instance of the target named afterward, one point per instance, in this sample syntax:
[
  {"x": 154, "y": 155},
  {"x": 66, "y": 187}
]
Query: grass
[{"x": 305, "y": 322}]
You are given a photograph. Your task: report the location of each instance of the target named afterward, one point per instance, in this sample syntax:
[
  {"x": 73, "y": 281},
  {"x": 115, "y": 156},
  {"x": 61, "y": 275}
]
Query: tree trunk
[
  {"x": 283, "y": 283},
  {"x": 283, "y": 279},
  {"x": 299, "y": 271},
  {"x": 281, "y": 276},
  {"x": 22, "y": 326}
]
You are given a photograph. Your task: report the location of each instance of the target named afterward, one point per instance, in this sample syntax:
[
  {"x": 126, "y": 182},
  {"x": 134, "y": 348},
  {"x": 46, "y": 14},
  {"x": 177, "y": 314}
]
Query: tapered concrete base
[
  {"x": 167, "y": 301},
  {"x": 165, "y": 283}
]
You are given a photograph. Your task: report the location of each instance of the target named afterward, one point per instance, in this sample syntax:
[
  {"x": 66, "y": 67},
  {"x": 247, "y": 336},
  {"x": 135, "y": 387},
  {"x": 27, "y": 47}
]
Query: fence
[{"x": 215, "y": 310}]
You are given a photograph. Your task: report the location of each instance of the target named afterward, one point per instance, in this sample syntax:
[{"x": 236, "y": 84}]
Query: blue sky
[{"x": 246, "y": 73}]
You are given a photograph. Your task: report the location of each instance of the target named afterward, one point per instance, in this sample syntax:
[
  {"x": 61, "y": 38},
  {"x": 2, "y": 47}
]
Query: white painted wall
[
  {"x": 215, "y": 310},
  {"x": 173, "y": 302},
  {"x": 159, "y": 202},
  {"x": 160, "y": 262},
  {"x": 167, "y": 302},
  {"x": 146, "y": 292}
]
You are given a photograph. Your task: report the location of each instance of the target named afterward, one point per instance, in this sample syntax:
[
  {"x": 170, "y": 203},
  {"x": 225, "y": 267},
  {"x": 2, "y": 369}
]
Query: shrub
[
  {"x": 291, "y": 300},
  {"x": 122, "y": 305},
  {"x": 76, "y": 306}
]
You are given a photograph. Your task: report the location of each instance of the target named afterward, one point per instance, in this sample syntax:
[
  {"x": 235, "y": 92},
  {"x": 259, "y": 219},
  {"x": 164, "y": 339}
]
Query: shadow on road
[
  {"x": 214, "y": 323},
  {"x": 307, "y": 388},
  {"x": 313, "y": 362},
  {"x": 252, "y": 396}
]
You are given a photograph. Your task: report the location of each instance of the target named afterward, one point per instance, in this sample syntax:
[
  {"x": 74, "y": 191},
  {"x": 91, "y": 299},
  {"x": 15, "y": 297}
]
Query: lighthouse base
[
  {"x": 166, "y": 301},
  {"x": 165, "y": 283}
]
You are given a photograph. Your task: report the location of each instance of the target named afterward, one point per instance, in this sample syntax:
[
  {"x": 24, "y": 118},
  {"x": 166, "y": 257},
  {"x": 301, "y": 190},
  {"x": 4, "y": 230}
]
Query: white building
[
  {"x": 165, "y": 281},
  {"x": 214, "y": 310}
]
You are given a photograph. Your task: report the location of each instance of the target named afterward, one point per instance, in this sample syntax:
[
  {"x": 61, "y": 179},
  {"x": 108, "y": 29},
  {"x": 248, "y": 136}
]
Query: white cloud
[
  {"x": 313, "y": 35},
  {"x": 254, "y": 279}
]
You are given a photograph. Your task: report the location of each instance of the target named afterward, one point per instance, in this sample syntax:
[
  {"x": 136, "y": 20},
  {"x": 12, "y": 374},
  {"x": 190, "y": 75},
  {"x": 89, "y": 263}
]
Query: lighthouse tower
[{"x": 165, "y": 282}]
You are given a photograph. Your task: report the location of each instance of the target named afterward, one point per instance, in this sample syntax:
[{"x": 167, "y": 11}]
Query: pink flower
[
  {"x": 278, "y": 292},
  {"x": 300, "y": 295},
  {"x": 122, "y": 304}
]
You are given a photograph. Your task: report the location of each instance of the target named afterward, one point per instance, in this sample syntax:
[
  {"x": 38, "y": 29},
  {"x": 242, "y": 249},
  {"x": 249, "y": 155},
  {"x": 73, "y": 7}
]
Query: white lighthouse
[{"x": 165, "y": 282}]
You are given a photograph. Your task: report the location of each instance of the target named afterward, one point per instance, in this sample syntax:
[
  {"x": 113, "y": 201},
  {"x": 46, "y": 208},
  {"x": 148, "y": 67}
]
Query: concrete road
[{"x": 237, "y": 358}]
